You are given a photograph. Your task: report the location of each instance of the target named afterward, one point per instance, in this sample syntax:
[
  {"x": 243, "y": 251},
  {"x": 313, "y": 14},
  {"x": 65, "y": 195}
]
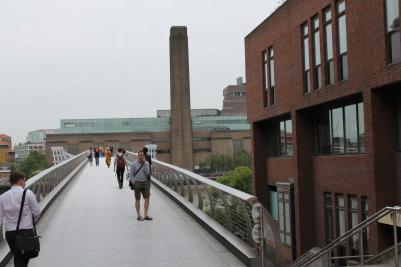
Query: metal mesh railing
[{"x": 229, "y": 207}]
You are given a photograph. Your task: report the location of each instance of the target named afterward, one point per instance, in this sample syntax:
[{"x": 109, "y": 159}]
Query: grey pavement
[{"x": 93, "y": 223}]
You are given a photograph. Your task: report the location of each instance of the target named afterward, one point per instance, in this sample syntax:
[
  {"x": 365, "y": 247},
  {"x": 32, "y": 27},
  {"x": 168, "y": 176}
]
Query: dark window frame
[
  {"x": 389, "y": 34},
  {"x": 329, "y": 63},
  {"x": 265, "y": 71},
  {"x": 272, "y": 76},
  {"x": 317, "y": 68},
  {"x": 343, "y": 73},
  {"x": 361, "y": 149},
  {"x": 276, "y": 139},
  {"x": 306, "y": 73},
  {"x": 354, "y": 240},
  {"x": 286, "y": 203},
  {"x": 328, "y": 211}
]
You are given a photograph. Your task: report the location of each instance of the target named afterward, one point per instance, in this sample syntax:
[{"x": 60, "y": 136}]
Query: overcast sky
[{"x": 110, "y": 58}]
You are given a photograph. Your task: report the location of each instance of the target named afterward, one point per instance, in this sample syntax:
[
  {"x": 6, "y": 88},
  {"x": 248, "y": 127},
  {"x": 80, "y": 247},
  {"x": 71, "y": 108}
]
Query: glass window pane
[
  {"x": 272, "y": 79},
  {"x": 361, "y": 126},
  {"x": 282, "y": 138},
  {"x": 340, "y": 6},
  {"x": 287, "y": 218},
  {"x": 281, "y": 215},
  {"x": 305, "y": 29},
  {"x": 338, "y": 131},
  {"x": 273, "y": 205},
  {"x": 392, "y": 15},
  {"x": 315, "y": 23},
  {"x": 329, "y": 41},
  {"x": 342, "y": 32},
  {"x": 344, "y": 67},
  {"x": 330, "y": 72},
  {"x": 306, "y": 54},
  {"x": 327, "y": 15},
  {"x": 288, "y": 128},
  {"x": 395, "y": 47},
  {"x": 323, "y": 132},
  {"x": 317, "y": 48},
  {"x": 351, "y": 129}
]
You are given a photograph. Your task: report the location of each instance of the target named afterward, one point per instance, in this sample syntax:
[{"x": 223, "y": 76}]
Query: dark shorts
[{"x": 142, "y": 188}]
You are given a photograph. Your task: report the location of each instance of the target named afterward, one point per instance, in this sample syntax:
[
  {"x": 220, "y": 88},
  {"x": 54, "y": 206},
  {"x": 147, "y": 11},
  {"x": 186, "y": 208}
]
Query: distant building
[
  {"x": 39, "y": 136},
  {"x": 6, "y": 152},
  {"x": 24, "y": 150},
  {"x": 234, "y": 102}
]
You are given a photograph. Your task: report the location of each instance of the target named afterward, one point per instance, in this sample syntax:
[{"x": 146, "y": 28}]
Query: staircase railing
[
  {"x": 382, "y": 256},
  {"x": 326, "y": 251}
]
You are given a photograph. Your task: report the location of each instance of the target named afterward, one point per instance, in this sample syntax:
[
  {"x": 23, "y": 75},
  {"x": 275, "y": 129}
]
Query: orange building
[{"x": 5, "y": 148}]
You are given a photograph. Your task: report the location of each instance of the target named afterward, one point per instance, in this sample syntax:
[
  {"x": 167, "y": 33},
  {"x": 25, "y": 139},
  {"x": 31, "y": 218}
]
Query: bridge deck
[{"x": 93, "y": 223}]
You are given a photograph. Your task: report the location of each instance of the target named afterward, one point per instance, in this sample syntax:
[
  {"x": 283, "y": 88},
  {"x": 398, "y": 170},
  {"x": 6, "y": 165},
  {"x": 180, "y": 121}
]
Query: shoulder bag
[
  {"x": 29, "y": 246},
  {"x": 130, "y": 183}
]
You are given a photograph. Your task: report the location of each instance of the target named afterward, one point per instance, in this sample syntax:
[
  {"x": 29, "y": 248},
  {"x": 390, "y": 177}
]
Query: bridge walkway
[{"x": 93, "y": 223}]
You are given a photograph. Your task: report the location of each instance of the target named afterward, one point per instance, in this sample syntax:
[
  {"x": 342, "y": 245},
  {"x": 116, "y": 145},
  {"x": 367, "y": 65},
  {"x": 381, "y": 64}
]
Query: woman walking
[
  {"x": 108, "y": 157},
  {"x": 16, "y": 224}
]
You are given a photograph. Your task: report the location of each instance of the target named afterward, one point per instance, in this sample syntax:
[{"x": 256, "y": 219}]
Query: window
[
  {"x": 316, "y": 54},
  {"x": 353, "y": 221},
  {"x": 265, "y": 79},
  {"x": 341, "y": 130},
  {"x": 328, "y": 217},
  {"x": 393, "y": 31},
  {"x": 365, "y": 232},
  {"x": 328, "y": 30},
  {"x": 340, "y": 224},
  {"x": 284, "y": 217},
  {"x": 269, "y": 81},
  {"x": 342, "y": 40},
  {"x": 273, "y": 203},
  {"x": 306, "y": 66},
  {"x": 272, "y": 79},
  {"x": 280, "y": 138}
]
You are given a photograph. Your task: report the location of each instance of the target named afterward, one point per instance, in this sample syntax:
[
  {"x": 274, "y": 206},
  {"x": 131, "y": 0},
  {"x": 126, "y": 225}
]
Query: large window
[
  {"x": 353, "y": 221},
  {"x": 340, "y": 224},
  {"x": 393, "y": 31},
  {"x": 280, "y": 138},
  {"x": 284, "y": 212},
  {"x": 306, "y": 65},
  {"x": 342, "y": 41},
  {"x": 328, "y": 217},
  {"x": 316, "y": 54},
  {"x": 269, "y": 81},
  {"x": 328, "y": 31},
  {"x": 341, "y": 130}
]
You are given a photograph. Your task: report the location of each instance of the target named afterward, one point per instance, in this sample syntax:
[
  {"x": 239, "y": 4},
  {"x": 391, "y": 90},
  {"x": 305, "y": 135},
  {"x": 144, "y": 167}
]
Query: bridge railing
[
  {"x": 229, "y": 207},
  {"x": 48, "y": 183}
]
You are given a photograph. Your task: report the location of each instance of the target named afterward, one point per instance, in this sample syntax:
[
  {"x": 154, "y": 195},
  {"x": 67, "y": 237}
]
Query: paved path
[{"x": 93, "y": 223}]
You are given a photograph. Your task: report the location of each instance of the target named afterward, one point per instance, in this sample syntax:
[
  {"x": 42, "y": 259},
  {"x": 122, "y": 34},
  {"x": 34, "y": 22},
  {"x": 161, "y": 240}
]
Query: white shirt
[{"x": 10, "y": 203}]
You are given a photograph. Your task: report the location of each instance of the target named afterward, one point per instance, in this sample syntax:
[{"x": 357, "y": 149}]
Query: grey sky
[{"x": 80, "y": 58}]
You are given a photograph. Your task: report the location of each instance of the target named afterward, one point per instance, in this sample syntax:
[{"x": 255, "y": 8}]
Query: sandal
[
  {"x": 139, "y": 218},
  {"x": 148, "y": 218}
]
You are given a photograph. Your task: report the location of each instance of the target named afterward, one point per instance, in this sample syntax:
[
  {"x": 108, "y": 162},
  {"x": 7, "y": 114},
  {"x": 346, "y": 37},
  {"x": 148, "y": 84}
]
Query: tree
[
  {"x": 224, "y": 163},
  {"x": 240, "y": 178},
  {"x": 33, "y": 164}
]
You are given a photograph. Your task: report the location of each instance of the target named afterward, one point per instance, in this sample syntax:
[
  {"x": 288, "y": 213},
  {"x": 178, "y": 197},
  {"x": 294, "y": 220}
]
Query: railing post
[{"x": 395, "y": 238}]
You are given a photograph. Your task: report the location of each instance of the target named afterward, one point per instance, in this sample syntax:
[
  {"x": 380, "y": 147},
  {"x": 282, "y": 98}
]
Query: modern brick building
[
  {"x": 234, "y": 102},
  {"x": 323, "y": 93}
]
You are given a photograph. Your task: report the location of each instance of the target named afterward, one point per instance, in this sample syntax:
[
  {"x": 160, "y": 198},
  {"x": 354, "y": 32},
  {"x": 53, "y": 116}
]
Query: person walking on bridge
[
  {"x": 107, "y": 154},
  {"x": 139, "y": 173},
  {"x": 119, "y": 167},
  {"x": 97, "y": 154},
  {"x": 17, "y": 217}
]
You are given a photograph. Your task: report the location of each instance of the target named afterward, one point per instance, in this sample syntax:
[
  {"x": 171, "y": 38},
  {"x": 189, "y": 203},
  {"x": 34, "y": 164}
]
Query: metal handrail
[
  {"x": 350, "y": 233},
  {"x": 228, "y": 206},
  {"x": 381, "y": 254}
]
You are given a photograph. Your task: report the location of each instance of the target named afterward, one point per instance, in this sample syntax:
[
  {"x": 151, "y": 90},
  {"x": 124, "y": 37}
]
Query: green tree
[
  {"x": 240, "y": 178},
  {"x": 33, "y": 164},
  {"x": 224, "y": 163}
]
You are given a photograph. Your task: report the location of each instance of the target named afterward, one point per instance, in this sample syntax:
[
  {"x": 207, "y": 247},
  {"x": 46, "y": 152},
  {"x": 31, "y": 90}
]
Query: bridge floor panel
[{"x": 93, "y": 223}]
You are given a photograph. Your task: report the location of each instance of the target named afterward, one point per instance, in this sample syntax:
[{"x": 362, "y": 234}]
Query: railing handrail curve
[
  {"x": 44, "y": 173},
  {"x": 229, "y": 190}
]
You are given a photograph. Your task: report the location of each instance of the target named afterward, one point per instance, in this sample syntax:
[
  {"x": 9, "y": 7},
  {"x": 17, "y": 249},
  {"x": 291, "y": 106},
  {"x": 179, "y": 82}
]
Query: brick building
[
  {"x": 234, "y": 102},
  {"x": 323, "y": 93}
]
